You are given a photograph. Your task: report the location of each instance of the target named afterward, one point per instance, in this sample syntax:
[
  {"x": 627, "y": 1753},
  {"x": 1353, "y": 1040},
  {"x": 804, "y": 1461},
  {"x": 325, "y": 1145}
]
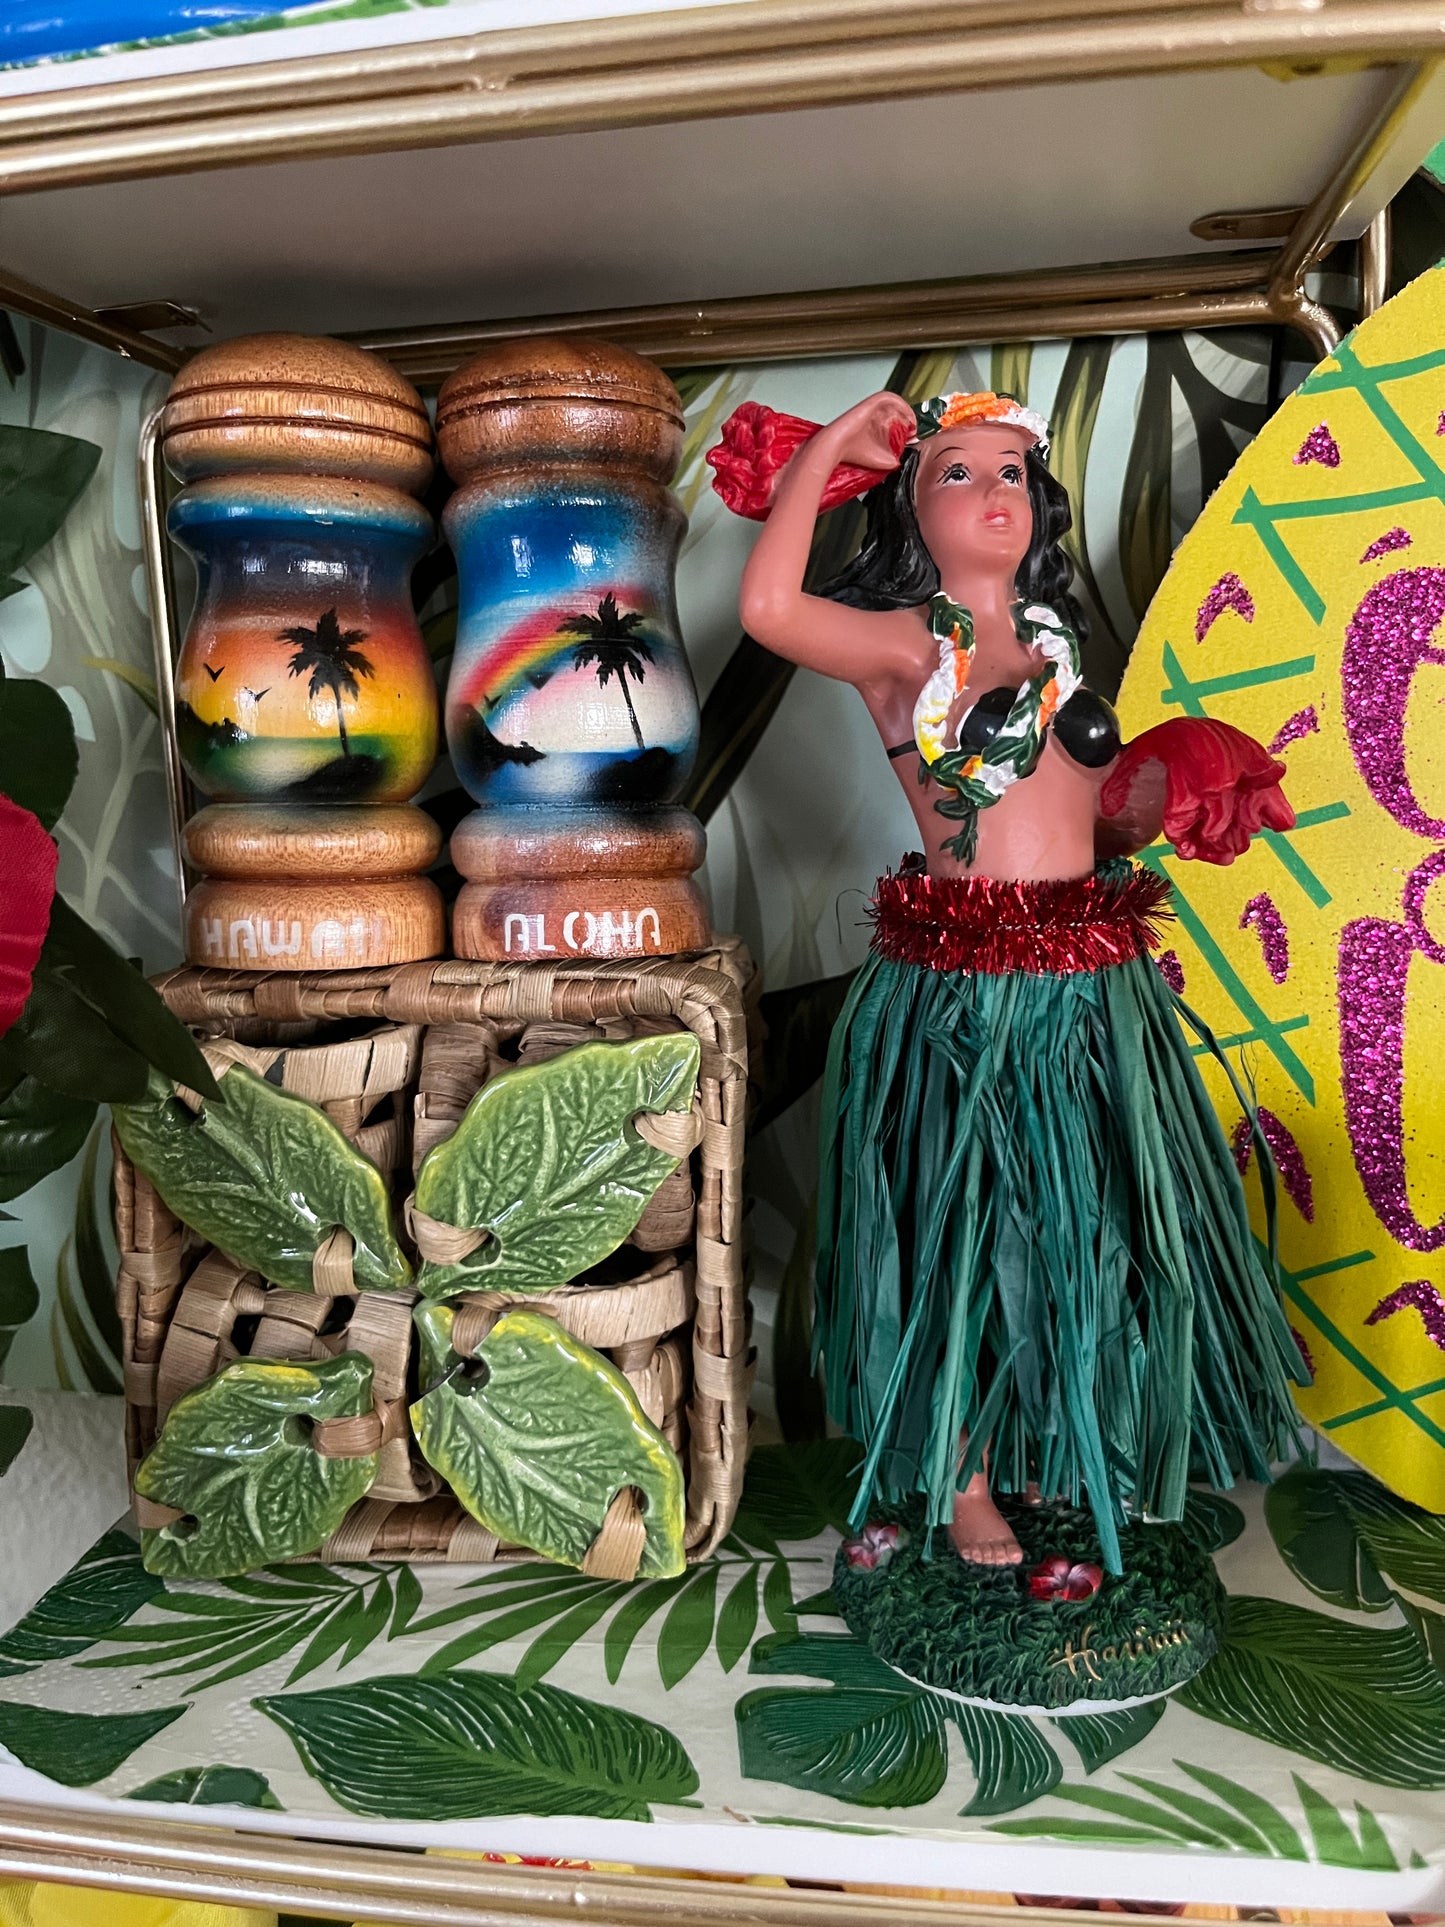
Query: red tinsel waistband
[{"x": 981, "y": 924}]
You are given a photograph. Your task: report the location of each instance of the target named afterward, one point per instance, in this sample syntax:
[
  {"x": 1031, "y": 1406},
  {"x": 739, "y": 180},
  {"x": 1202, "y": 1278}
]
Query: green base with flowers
[{"x": 1052, "y": 1633}]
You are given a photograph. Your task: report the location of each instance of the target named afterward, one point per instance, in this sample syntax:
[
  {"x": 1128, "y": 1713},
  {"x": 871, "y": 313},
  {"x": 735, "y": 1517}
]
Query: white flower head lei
[{"x": 977, "y": 779}]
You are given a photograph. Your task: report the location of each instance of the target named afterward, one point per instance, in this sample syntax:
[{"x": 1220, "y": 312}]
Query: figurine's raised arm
[{"x": 856, "y": 646}]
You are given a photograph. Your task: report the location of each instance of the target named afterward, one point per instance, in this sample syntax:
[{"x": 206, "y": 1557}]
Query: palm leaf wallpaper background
[{"x": 790, "y": 780}]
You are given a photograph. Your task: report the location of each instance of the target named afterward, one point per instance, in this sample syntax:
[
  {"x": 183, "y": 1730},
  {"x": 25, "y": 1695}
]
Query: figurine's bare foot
[{"x": 979, "y": 1534}]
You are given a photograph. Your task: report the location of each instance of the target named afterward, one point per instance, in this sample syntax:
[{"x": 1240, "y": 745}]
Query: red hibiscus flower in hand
[
  {"x": 1058, "y": 1578},
  {"x": 757, "y": 445},
  {"x": 1207, "y": 785},
  {"x": 28, "y": 858}
]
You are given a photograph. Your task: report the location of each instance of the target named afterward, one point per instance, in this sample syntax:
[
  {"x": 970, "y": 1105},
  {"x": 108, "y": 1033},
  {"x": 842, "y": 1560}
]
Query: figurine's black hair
[{"x": 893, "y": 570}]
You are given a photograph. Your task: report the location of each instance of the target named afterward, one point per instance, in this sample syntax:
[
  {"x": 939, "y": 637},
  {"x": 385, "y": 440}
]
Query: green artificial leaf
[
  {"x": 547, "y": 1162},
  {"x": 244, "y": 1623},
  {"x": 94, "y": 1599},
  {"x": 40, "y": 1130},
  {"x": 266, "y": 1177},
  {"x": 126, "y": 1001},
  {"x": 15, "y": 1426},
  {"x": 19, "y": 1295},
  {"x": 1098, "y": 1738},
  {"x": 461, "y": 1746},
  {"x": 1012, "y": 1761},
  {"x": 235, "y": 1455},
  {"x": 1211, "y": 1520},
  {"x": 41, "y": 477},
  {"x": 67, "y": 1044},
  {"x": 210, "y": 1786},
  {"x": 539, "y": 1433},
  {"x": 38, "y": 758},
  {"x": 1318, "y": 1539},
  {"x": 1364, "y": 1699},
  {"x": 797, "y": 1491},
  {"x": 77, "y": 1749}
]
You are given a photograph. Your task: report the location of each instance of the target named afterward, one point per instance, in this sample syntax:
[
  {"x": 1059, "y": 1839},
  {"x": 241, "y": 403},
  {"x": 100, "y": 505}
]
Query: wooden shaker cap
[
  {"x": 298, "y": 403},
  {"x": 559, "y": 399}
]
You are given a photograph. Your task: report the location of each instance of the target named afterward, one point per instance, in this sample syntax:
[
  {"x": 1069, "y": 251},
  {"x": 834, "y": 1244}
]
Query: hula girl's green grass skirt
[{"x": 1031, "y": 1227}]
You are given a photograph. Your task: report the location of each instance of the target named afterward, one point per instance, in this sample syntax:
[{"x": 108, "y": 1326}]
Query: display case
[{"x": 770, "y": 190}]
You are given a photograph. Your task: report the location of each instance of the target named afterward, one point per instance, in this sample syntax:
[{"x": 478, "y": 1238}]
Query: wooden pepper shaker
[
  {"x": 306, "y": 708},
  {"x": 571, "y": 712}
]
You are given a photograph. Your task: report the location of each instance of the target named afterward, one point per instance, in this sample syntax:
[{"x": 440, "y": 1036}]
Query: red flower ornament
[
  {"x": 873, "y": 1547},
  {"x": 757, "y": 445},
  {"x": 1220, "y": 787},
  {"x": 1055, "y": 1578},
  {"x": 28, "y": 857}
]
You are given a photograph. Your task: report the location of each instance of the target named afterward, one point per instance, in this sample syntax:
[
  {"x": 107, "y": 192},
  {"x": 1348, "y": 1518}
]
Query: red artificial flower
[
  {"x": 757, "y": 445},
  {"x": 28, "y": 858},
  {"x": 874, "y": 1547},
  {"x": 1056, "y": 1578},
  {"x": 1220, "y": 786}
]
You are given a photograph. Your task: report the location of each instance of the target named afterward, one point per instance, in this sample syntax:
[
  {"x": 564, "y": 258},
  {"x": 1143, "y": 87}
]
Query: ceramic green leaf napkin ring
[
  {"x": 260, "y": 1463},
  {"x": 544, "y": 1442},
  {"x": 547, "y": 1172},
  {"x": 267, "y": 1178}
]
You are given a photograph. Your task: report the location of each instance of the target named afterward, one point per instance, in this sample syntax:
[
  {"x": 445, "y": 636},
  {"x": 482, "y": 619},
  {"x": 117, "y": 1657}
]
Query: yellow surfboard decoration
[{"x": 1307, "y": 606}]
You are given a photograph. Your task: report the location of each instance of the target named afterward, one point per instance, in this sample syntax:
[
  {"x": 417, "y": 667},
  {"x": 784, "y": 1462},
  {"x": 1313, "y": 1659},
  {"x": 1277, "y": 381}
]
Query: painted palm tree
[
  {"x": 614, "y": 646},
  {"x": 329, "y": 652}
]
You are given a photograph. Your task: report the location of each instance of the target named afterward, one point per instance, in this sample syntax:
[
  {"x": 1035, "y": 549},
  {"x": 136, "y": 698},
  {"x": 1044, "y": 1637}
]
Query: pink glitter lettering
[
  {"x": 1412, "y": 902},
  {"x": 1172, "y": 971},
  {"x": 1387, "y": 544},
  {"x": 1318, "y": 446},
  {"x": 1261, "y": 915},
  {"x": 1228, "y": 593},
  {"x": 1389, "y": 637},
  {"x": 1288, "y": 1159},
  {"x": 1440, "y": 424},
  {"x": 1374, "y": 965},
  {"x": 1419, "y": 1295},
  {"x": 1304, "y": 1350},
  {"x": 1304, "y": 722}
]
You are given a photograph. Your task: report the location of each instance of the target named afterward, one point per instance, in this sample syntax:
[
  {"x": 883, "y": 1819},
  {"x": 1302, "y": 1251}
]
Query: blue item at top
[{"x": 41, "y": 29}]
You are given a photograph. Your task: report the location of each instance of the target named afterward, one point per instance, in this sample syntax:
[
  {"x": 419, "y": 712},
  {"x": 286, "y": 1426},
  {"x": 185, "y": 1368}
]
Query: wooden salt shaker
[
  {"x": 306, "y": 707},
  {"x": 571, "y": 712}
]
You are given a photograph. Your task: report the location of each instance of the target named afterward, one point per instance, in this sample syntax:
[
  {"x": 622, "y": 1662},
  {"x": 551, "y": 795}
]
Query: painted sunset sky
[
  {"x": 249, "y": 728},
  {"x": 524, "y": 685}
]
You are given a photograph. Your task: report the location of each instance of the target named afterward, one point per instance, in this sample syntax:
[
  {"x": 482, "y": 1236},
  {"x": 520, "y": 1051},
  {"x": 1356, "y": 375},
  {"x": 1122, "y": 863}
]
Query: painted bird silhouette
[
  {"x": 214, "y": 674},
  {"x": 255, "y": 695}
]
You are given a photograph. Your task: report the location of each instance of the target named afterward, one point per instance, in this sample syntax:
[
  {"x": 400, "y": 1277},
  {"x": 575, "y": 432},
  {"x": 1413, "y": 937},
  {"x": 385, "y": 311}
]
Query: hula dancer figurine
[{"x": 1035, "y": 1272}]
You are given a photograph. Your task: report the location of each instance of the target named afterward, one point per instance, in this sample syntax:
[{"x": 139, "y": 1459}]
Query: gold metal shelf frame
[
  {"x": 726, "y": 60},
  {"x": 391, "y": 1884}
]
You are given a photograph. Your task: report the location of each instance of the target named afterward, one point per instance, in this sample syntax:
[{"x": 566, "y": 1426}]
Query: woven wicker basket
[{"x": 394, "y": 1056}]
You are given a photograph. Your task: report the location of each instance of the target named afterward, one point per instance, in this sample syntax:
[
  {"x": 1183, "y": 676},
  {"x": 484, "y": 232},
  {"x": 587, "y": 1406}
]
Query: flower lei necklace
[{"x": 978, "y": 778}]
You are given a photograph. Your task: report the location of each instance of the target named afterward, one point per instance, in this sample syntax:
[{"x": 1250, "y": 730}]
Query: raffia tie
[
  {"x": 676, "y": 1133},
  {"x": 359, "y": 1437}
]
